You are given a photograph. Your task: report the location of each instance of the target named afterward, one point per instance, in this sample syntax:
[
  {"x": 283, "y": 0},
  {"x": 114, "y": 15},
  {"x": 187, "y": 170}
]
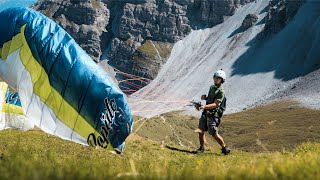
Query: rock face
[
  {"x": 279, "y": 14},
  {"x": 136, "y": 36},
  {"x": 133, "y": 20},
  {"x": 84, "y": 20},
  {"x": 249, "y": 21},
  {"x": 138, "y": 24},
  {"x": 213, "y": 12},
  {"x": 138, "y": 27}
]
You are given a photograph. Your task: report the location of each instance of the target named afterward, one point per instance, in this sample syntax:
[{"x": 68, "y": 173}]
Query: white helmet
[{"x": 220, "y": 74}]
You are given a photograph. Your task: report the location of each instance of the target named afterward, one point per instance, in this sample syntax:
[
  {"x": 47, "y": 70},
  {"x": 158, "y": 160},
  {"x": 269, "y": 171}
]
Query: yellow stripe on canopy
[{"x": 12, "y": 109}]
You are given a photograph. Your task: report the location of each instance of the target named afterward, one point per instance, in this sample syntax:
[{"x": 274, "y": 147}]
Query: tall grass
[
  {"x": 35, "y": 155},
  {"x": 153, "y": 151}
]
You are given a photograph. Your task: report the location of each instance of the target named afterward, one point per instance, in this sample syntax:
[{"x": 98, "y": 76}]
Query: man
[{"x": 210, "y": 118}]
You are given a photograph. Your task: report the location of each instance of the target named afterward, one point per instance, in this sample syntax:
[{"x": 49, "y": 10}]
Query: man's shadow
[
  {"x": 190, "y": 152},
  {"x": 181, "y": 150}
]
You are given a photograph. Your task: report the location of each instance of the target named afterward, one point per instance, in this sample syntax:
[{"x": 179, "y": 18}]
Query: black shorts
[{"x": 209, "y": 123}]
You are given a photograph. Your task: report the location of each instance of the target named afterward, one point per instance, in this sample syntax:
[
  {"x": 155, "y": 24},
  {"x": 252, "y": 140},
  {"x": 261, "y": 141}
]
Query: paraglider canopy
[{"x": 62, "y": 90}]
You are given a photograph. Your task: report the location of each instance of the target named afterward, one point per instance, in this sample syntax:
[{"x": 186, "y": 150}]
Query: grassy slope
[
  {"x": 277, "y": 127},
  {"x": 36, "y": 155}
]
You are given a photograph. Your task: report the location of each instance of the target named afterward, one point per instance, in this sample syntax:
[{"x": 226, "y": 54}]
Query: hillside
[
  {"x": 282, "y": 152},
  {"x": 277, "y": 127}
]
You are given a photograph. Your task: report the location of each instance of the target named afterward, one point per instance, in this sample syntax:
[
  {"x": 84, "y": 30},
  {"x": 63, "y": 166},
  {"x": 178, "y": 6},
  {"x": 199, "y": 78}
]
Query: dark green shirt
[{"x": 215, "y": 94}]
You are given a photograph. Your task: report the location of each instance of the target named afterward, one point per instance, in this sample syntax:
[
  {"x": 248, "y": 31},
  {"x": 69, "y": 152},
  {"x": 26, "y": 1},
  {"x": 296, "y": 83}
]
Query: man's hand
[{"x": 196, "y": 104}]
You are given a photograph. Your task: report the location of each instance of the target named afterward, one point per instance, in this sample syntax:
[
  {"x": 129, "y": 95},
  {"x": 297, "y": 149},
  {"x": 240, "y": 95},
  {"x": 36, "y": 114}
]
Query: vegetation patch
[{"x": 152, "y": 53}]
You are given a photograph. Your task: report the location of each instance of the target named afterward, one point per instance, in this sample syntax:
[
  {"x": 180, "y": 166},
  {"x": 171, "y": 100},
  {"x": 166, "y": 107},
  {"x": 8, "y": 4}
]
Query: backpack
[{"x": 222, "y": 107}]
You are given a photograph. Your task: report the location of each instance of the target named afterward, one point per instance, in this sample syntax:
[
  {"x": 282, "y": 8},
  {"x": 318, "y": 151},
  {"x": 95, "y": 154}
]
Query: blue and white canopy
[{"x": 62, "y": 90}]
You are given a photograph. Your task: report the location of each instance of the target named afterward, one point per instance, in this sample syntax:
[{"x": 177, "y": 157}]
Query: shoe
[
  {"x": 225, "y": 150},
  {"x": 200, "y": 150}
]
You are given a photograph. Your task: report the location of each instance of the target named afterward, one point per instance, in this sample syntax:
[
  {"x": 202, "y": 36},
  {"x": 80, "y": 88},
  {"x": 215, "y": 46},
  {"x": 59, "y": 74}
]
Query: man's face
[{"x": 217, "y": 80}]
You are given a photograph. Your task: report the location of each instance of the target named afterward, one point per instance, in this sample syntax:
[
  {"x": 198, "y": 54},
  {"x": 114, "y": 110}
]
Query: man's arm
[
  {"x": 216, "y": 102},
  {"x": 212, "y": 105}
]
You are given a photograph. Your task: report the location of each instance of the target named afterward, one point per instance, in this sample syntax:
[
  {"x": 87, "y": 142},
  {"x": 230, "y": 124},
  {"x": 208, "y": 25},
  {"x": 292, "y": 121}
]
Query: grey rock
[
  {"x": 84, "y": 20},
  {"x": 213, "y": 12},
  {"x": 280, "y": 12},
  {"x": 249, "y": 21}
]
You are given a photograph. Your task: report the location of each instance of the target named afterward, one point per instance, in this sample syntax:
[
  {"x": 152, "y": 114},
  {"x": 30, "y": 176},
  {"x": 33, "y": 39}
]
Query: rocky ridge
[
  {"x": 122, "y": 27},
  {"x": 136, "y": 36},
  {"x": 137, "y": 24}
]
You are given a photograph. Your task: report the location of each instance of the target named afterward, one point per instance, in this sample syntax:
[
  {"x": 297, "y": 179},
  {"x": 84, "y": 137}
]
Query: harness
[{"x": 218, "y": 109}]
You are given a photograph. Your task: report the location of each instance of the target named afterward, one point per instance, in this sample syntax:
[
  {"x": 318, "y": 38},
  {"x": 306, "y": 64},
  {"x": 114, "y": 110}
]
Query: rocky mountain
[
  {"x": 136, "y": 36},
  {"x": 284, "y": 65}
]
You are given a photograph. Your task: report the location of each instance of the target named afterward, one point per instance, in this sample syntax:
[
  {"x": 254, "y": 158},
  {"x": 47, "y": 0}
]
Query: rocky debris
[
  {"x": 84, "y": 20},
  {"x": 279, "y": 14},
  {"x": 301, "y": 89},
  {"x": 249, "y": 21}
]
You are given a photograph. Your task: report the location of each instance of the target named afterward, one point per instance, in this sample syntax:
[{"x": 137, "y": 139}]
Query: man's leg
[
  {"x": 220, "y": 140},
  {"x": 201, "y": 139},
  {"x": 201, "y": 129},
  {"x": 213, "y": 123}
]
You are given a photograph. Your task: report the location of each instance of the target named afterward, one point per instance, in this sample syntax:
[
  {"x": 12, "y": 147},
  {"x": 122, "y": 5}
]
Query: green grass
[
  {"x": 150, "y": 50},
  {"x": 37, "y": 155},
  {"x": 171, "y": 128},
  {"x": 276, "y": 127}
]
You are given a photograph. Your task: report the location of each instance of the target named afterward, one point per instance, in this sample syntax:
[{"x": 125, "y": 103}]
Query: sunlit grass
[
  {"x": 276, "y": 127},
  {"x": 37, "y": 155}
]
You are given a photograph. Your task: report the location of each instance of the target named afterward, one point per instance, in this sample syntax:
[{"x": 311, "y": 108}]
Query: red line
[
  {"x": 133, "y": 84},
  {"x": 131, "y": 74}
]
